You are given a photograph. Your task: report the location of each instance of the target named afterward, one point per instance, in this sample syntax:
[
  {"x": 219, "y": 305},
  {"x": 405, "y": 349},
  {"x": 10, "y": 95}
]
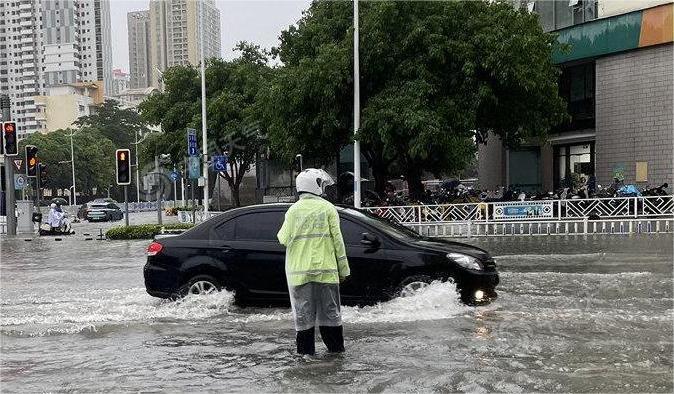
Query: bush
[{"x": 143, "y": 231}]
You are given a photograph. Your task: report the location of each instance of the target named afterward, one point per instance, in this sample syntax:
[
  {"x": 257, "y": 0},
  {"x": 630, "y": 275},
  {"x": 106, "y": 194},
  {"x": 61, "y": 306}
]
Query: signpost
[
  {"x": 192, "y": 163},
  {"x": 219, "y": 165}
]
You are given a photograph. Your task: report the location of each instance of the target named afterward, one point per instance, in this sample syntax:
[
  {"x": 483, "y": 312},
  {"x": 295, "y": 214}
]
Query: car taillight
[{"x": 154, "y": 248}]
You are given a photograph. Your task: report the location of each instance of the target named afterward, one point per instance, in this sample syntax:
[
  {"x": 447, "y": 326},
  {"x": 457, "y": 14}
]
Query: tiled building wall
[{"x": 634, "y": 107}]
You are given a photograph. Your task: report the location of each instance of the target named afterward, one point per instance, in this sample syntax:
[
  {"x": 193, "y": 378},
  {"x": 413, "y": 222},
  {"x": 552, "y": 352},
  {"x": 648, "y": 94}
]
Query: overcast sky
[{"x": 258, "y": 21}]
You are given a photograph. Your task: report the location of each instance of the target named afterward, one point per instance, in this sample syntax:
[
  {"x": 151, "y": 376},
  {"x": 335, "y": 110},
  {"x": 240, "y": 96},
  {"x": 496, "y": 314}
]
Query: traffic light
[
  {"x": 43, "y": 172},
  {"x": 123, "y": 166},
  {"x": 10, "y": 141},
  {"x": 31, "y": 160}
]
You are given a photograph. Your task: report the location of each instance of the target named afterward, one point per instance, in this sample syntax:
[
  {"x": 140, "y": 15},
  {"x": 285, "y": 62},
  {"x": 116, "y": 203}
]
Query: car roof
[{"x": 278, "y": 205}]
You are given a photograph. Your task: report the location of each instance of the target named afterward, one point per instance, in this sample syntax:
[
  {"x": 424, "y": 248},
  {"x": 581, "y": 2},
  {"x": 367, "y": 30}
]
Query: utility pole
[
  {"x": 10, "y": 202},
  {"x": 72, "y": 166},
  {"x": 356, "y": 109},
  {"x": 204, "y": 137},
  {"x": 137, "y": 172}
]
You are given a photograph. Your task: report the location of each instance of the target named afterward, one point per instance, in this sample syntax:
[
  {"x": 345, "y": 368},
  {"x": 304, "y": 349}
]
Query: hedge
[{"x": 142, "y": 231}]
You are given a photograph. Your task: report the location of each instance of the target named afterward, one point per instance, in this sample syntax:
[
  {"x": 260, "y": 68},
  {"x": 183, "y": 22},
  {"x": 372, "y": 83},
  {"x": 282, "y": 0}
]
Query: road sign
[
  {"x": 192, "y": 149},
  {"x": 18, "y": 164},
  {"x": 174, "y": 175},
  {"x": 193, "y": 167},
  {"x": 219, "y": 163},
  {"x": 20, "y": 181}
]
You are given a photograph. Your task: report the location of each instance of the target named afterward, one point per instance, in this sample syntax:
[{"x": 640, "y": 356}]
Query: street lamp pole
[
  {"x": 356, "y": 109},
  {"x": 137, "y": 172},
  {"x": 72, "y": 164},
  {"x": 204, "y": 138}
]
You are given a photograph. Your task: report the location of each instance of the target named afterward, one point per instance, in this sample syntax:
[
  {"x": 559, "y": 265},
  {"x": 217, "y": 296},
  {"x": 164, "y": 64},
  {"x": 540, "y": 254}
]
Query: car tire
[
  {"x": 200, "y": 284},
  {"x": 411, "y": 285}
]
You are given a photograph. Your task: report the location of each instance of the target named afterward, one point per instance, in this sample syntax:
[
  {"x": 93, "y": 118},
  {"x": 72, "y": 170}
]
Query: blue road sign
[
  {"x": 174, "y": 175},
  {"x": 20, "y": 181},
  {"x": 193, "y": 167},
  {"x": 192, "y": 149},
  {"x": 219, "y": 163}
]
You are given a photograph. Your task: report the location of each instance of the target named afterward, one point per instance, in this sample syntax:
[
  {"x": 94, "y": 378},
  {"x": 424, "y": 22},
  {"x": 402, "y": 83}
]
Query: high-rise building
[
  {"x": 175, "y": 33},
  {"x": 138, "y": 23},
  {"x": 120, "y": 82},
  {"x": 50, "y": 43}
]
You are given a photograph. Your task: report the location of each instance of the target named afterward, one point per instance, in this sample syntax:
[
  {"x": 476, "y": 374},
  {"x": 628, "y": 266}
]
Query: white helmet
[
  {"x": 313, "y": 180},
  {"x": 52, "y": 205}
]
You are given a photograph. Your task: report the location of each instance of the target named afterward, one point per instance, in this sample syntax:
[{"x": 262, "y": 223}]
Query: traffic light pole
[
  {"x": 126, "y": 206},
  {"x": 10, "y": 201},
  {"x": 158, "y": 181}
]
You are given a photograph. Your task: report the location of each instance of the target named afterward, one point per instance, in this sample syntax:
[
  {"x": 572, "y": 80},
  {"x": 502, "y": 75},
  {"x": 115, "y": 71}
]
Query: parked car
[
  {"x": 103, "y": 212},
  {"x": 82, "y": 211},
  {"x": 238, "y": 250}
]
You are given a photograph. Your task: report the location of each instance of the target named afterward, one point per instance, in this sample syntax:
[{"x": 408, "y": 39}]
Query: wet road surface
[{"x": 573, "y": 314}]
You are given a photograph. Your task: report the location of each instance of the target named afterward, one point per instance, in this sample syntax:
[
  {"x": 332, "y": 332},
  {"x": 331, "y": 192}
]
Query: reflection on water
[{"x": 573, "y": 314}]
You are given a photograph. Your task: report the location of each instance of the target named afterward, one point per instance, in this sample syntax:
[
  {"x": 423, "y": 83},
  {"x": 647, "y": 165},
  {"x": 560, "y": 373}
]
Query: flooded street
[{"x": 573, "y": 314}]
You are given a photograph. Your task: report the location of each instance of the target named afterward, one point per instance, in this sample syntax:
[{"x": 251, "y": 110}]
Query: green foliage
[
  {"x": 435, "y": 77},
  {"x": 117, "y": 124},
  {"x": 94, "y": 158},
  {"x": 234, "y": 112},
  {"x": 143, "y": 231}
]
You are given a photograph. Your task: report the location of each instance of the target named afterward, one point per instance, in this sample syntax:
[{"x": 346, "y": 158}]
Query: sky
[{"x": 257, "y": 21}]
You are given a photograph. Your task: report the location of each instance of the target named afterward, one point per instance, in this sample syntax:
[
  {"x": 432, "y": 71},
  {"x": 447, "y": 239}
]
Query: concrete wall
[{"x": 634, "y": 93}]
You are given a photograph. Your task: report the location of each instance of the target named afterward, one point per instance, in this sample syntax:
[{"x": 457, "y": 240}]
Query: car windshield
[
  {"x": 387, "y": 226},
  {"x": 99, "y": 206}
]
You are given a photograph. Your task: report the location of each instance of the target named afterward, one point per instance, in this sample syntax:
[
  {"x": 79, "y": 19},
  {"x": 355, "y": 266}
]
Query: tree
[
  {"x": 234, "y": 113},
  {"x": 94, "y": 159},
  {"x": 435, "y": 78},
  {"x": 117, "y": 124}
]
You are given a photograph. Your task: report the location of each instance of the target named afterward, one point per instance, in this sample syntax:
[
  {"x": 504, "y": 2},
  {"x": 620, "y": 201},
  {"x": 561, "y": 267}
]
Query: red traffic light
[{"x": 10, "y": 140}]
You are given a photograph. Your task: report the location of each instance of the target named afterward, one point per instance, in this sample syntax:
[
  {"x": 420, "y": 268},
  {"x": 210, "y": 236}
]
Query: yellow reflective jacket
[{"x": 315, "y": 249}]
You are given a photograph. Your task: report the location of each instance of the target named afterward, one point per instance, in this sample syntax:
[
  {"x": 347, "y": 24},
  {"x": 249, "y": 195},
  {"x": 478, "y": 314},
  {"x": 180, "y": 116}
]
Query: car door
[
  {"x": 259, "y": 255},
  {"x": 368, "y": 263}
]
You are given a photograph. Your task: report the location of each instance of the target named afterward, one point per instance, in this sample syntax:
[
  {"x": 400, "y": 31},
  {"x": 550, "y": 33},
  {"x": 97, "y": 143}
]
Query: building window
[{"x": 577, "y": 88}]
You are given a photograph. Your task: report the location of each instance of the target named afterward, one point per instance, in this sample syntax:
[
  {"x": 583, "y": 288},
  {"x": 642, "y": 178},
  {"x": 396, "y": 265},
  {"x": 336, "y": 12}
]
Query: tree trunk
[
  {"x": 236, "y": 202},
  {"x": 380, "y": 178},
  {"x": 414, "y": 185}
]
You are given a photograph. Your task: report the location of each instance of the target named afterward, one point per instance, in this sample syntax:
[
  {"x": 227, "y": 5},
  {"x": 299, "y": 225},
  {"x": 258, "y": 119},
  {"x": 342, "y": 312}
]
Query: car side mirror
[{"x": 370, "y": 240}]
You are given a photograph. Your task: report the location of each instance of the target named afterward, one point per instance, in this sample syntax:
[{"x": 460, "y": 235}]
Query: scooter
[{"x": 65, "y": 229}]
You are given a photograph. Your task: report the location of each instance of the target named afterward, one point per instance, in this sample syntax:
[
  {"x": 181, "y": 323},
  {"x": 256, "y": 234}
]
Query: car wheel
[
  {"x": 200, "y": 284},
  {"x": 412, "y": 285}
]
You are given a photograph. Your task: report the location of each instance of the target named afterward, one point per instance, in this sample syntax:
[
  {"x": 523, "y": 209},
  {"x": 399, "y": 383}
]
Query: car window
[
  {"x": 261, "y": 226},
  {"x": 112, "y": 206},
  {"x": 98, "y": 206},
  {"x": 352, "y": 232},
  {"x": 390, "y": 228},
  {"x": 226, "y": 229}
]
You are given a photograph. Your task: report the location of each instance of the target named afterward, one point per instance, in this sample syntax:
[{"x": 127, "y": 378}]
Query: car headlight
[{"x": 465, "y": 261}]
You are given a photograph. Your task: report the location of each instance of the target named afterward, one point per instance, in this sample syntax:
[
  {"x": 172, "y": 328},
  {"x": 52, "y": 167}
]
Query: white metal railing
[{"x": 487, "y": 212}]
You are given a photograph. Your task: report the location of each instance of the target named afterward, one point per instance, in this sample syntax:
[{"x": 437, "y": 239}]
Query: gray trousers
[{"x": 315, "y": 304}]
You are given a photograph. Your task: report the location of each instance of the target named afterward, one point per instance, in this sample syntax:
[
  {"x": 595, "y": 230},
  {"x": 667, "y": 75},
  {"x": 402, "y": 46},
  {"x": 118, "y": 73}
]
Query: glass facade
[
  {"x": 572, "y": 163},
  {"x": 524, "y": 168},
  {"x": 558, "y": 14}
]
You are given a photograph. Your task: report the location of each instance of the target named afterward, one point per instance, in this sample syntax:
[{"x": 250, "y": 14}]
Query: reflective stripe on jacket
[{"x": 315, "y": 249}]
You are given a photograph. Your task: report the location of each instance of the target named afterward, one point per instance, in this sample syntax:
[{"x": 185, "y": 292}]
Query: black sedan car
[{"x": 238, "y": 250}]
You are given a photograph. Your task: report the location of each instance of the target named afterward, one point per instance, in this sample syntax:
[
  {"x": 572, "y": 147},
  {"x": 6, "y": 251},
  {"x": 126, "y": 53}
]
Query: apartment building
[
  {"x": 44, "y": 44},
  {"x": 140, "y": 71},
  {"x": 175, "y": 27}
]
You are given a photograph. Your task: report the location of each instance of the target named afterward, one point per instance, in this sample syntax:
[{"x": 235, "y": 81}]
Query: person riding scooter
[{"x": 57, "y": 221}]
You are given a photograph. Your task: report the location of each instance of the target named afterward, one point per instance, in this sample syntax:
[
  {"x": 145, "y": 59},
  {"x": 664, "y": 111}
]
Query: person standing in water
[{"x": 315, "y": 263}]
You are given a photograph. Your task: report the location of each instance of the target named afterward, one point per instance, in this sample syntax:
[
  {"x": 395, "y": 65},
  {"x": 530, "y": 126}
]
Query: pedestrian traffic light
[
  {"x": 31, "y": 160},
  {"x": 123, "y": 166},
  {"x": 10, "y": 141}
]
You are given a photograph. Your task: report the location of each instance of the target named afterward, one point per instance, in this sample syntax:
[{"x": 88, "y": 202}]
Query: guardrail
[{"x": 626, "y": 214}]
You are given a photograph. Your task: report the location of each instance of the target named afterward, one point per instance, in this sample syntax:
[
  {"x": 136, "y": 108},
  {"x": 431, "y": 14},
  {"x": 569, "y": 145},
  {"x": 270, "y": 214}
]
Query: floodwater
[{"x": 574, "y": 314}]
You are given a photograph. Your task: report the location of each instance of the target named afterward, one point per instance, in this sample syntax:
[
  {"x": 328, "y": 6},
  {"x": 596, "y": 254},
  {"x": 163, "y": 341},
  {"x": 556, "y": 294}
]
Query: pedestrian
[{"x": 315, "y": 263}]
